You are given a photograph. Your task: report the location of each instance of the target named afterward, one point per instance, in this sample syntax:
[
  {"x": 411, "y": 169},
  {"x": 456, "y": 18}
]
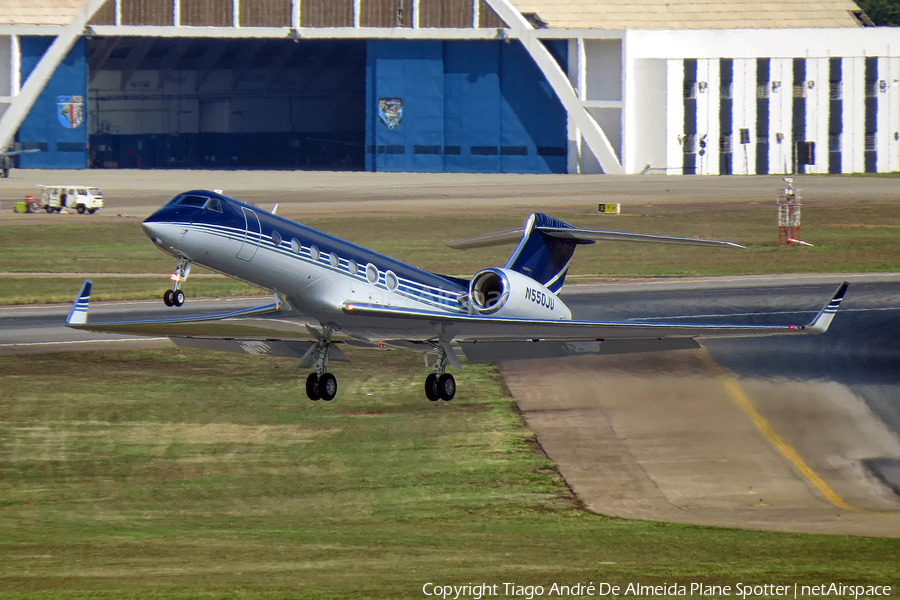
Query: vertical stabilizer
[{"x": 543, "y": 257}]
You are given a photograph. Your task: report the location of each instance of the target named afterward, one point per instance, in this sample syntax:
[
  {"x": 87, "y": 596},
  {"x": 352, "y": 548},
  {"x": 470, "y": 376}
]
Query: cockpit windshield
[
  {"x": 191, "y": 200},
  {"x": 196, "y": 201}
]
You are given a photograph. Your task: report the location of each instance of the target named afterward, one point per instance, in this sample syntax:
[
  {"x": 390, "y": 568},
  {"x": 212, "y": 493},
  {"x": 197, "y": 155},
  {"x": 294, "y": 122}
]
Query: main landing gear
[
  {"x": 440, "y": 385},
  {"x": 175, "y": 297},
  {"x": 321, "y": 385}
]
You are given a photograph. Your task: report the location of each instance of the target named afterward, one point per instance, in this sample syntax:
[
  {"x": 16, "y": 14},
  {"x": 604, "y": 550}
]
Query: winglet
[
  {"x": 78, "y": 314},
  {"x": 823, "y": 319}
]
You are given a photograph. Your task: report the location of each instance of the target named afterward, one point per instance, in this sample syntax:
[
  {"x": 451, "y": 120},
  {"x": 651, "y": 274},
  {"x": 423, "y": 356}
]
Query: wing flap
[
  {"x": 488, "y": 352},
  {"x": 287, "y": 349}
]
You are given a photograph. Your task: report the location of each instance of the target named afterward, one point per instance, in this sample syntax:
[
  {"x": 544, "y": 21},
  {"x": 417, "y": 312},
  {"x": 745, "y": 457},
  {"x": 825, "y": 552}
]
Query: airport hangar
[{"x": 521, "y": 86}]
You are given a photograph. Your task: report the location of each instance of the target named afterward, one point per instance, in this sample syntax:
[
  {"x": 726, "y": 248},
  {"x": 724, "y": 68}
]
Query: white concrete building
[{"x": 743, "y": 101}]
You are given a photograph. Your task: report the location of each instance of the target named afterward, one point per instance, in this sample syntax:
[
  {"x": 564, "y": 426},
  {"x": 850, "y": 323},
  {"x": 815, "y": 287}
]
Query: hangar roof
[
  {"x": 691, "y": 14},
  {"x": 39, "y": 12},
  {"x": 579, "y": 14}
]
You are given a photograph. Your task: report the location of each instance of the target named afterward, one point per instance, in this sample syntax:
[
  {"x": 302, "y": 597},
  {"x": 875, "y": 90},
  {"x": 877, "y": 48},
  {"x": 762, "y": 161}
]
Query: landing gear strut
[
  {"x": 321, "y": 385},
  {"x": 440, "y": 385},
  {"x": 175, "y": 297}
]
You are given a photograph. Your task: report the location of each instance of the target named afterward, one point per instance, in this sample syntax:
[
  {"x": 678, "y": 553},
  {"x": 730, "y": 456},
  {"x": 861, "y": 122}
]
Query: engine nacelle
[{"x": 505, "y": 293}]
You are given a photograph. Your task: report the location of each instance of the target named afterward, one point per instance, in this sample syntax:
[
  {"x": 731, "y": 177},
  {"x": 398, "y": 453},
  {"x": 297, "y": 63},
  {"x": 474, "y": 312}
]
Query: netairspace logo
[{"x": 477, "y": 591}]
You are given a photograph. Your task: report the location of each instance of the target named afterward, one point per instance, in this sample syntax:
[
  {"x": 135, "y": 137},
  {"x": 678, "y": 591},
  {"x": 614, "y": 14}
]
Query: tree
[{"x": 882, "y": 12}]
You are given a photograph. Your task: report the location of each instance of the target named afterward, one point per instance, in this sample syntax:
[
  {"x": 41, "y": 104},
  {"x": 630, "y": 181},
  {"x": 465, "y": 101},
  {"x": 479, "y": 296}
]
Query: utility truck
[{"x": 78, "y": 197}]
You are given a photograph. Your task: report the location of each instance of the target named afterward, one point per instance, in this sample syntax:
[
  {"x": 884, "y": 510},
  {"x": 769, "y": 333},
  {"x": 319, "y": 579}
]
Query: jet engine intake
[{"x": 510, "y": 294}]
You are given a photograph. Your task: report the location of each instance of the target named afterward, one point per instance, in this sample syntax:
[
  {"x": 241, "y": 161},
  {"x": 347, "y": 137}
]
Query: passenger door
[{"x": 252, "y": 234}]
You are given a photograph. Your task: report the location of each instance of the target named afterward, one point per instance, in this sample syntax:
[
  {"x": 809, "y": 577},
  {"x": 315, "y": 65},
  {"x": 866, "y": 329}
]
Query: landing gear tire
[
  {"x": 177, "y": 297},
  {"x": 167, "y": 298},
  {"x": 446, "y": 387},
  {"x": 327, "y": 386},
  {"x": 431, "y": 389},
  {"x": 312, "y": 387}
]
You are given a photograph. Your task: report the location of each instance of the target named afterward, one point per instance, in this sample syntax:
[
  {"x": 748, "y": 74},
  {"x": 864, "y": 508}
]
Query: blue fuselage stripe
[{"x": 445, "y": 299}]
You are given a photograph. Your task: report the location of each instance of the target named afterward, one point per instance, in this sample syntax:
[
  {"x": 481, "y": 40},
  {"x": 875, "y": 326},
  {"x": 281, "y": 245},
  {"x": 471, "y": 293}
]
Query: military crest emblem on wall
[
  {"x": 390, "y": 111},
  {"x": 70, "y": 111}
]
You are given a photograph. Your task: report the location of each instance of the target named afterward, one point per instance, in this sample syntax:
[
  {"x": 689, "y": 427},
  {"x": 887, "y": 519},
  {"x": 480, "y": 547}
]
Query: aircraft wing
[
  {"x": 19, "y": 152},
  {"x": 258, "y": 323},
  {"x": 515, "y": 338}
]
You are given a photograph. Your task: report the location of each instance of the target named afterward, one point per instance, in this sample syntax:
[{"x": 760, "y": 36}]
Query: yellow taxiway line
[{"x": 731, "y": 385}]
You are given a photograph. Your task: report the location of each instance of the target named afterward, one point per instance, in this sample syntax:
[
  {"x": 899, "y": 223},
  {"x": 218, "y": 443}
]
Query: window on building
[
  {"x": 834, "y": 90},
  {"x": 725, "y": 144},
  {"x": 834, "y": 142},
  {"x": 871, "y": 142}
]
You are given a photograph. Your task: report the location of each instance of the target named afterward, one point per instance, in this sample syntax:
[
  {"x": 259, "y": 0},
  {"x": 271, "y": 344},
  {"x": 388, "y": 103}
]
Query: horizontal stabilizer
[
  {"x": 498, "y": 238},
  {"x": 585, "y": 235},
  {"x": 510, "y": 236}
]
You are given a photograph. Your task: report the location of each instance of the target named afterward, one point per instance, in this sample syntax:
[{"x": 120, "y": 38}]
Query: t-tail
[{"x": 546, "y": 246}]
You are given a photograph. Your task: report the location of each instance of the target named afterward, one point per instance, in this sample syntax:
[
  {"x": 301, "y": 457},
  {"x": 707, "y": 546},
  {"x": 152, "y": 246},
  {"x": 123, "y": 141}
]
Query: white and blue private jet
[{"x": 329, "y": 292}]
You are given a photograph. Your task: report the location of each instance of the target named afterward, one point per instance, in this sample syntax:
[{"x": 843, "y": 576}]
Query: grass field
[
  {"x": 184, "y": 474},
  {"x": 865, "y": 240}
]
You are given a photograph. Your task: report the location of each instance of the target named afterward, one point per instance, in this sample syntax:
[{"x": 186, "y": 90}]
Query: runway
[{"x": 792, "y": 434}]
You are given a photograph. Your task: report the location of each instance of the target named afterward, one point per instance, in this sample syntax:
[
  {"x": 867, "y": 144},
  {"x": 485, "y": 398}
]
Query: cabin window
[
  {"x": 390, "y": 280},
  {"x": 295, "y": 245},
  {"x": 352, "y": 266},
  {"x": 333, "y": 259},
  {"x": 314, "y": 253},
  {"x": 276, "y": 238},
  {"x": 372, "y": 273}
]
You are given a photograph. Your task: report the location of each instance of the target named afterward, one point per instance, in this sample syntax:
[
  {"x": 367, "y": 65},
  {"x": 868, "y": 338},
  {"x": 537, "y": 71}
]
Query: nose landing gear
[{"x": 175, "y": 297}]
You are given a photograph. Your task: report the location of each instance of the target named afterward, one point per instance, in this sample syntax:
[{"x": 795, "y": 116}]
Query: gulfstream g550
[{"x": 329, "y": 292}]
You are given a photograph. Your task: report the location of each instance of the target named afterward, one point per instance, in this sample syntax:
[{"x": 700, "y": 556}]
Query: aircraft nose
[
  {"x": 151, "y": 229},
  {"x": 157, "y": 232}
]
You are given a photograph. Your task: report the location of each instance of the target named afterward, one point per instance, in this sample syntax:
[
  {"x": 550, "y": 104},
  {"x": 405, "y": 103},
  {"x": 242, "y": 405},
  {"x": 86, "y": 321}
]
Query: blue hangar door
[
  {"x": 57, "y": 123},
  {"x": 236, "y": 103},
  {"x": 461, "y": 106}
]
